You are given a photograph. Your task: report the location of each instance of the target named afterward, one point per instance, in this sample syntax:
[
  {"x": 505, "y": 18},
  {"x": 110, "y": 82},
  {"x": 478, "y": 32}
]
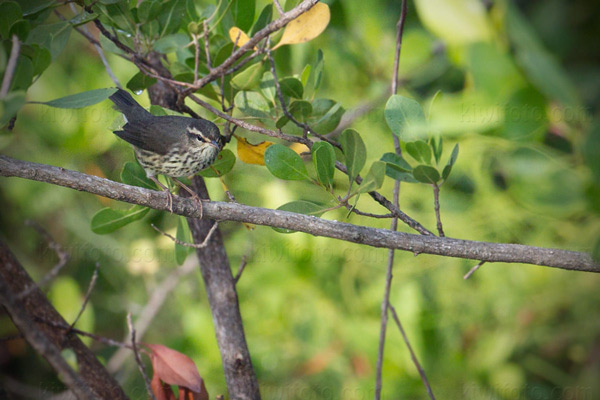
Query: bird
[{"x": 170, "y": 145}]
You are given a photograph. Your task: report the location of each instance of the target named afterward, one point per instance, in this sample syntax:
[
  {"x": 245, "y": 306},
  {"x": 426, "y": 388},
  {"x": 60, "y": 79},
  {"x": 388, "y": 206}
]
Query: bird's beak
[{"x": 215, "y": 144}]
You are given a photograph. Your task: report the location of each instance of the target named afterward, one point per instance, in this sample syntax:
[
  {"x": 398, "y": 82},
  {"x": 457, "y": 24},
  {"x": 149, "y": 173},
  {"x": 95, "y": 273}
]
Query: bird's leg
[
  {"x": 191, "y": 192},
  {"x": 165, "y": 189}
]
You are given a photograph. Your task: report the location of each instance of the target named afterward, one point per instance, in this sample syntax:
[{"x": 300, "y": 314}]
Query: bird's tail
[{"x": 128, "y": 106}]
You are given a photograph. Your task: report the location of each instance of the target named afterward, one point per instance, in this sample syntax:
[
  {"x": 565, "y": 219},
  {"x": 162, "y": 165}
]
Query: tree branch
[
  {"x": 382, "y": 238},
  {"x": 224, "y": 306},
  {"x": 92, "y": 381}
]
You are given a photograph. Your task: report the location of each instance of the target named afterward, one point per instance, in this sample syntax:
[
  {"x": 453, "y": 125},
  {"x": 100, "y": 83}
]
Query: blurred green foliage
[{"x": 520, "y": 92}]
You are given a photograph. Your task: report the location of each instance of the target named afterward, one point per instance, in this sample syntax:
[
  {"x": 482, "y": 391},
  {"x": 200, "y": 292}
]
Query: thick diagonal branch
[
  {"x": 382, "y": 238},
  {"x": 91, "y": 381}
]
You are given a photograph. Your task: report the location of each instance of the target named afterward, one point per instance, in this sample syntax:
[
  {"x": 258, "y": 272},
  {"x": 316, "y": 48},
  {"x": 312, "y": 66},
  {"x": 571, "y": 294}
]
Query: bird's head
[{"x": 205, "y": 135}]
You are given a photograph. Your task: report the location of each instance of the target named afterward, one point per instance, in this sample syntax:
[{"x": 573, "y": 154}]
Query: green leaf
[
  {"x": 542, "y": 69},
  {"x": 316, "y": 74},
  {"x": 263, "y": 19},
  {"x": 437, "y": 146},
  {"x": 451, "y": 161},
  {"x": 252, "y": 104},
  {"x": 109, "y": 220},
  {"x": 300, "y": 110},
  {"x": 426, "y": 174},
  {"x": 157, "y": 110},
  {"x": 397, "y": 168},
  {"x": 419, "y": 150},
  {"x": 326, "y": 115},
  {"x": 171, "y": 15},
  {"x": 323, "y": 156},
  {"x": 300, "y": 207},
  {"x": 493, "y": 72},
  {"x": 456, "y": 22},
  {"x": 53, "y": 37},
  {"x": 305, "y": 74},
  {"x": 355, "y": 152},
  {"x": 31, "y": 7},
  {"x": 140, "y": 81},
  {"x": 243, "y": 13},
  {"x": 374, "y": 178},
  {"x": 284, "y": 163},
  {"x": 10, "y": 105},
  {"x": 171, "y": 43},
  {"x": 20, "y": 28},
  {"x": 248, "y": 78},
  {"x": 23, "y": 76},
  {"x": 281, "y": 122},
  {"x": 223, "y": 164},
  {"x": 133, "y": 174},
  {"x": 396, "y": 160},
  {"x": 291, "y": 87},
  {"x": 81, "y": 100},
  {"x": 148, "y": 10},
  {"x": 267, "y": 86},
  {"x": 183, "y": 235},
  {"x": 41, "y": 59},
  {"x": 405, "y": 117},
  {"x": 9, "y": 13}
]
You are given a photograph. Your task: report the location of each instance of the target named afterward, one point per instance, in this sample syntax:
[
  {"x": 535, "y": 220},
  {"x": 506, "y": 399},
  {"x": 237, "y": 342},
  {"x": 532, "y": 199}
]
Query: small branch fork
[{"x": 185, "y": 244}]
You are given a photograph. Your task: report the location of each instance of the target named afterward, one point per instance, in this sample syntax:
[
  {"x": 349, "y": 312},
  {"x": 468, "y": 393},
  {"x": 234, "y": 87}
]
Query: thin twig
[
  {"x": 63, "y": 258},
  {"x": 10, "y": 66},
  {"x": 86, "y": 32},
  {"x": 206, "y": 48},
  {"x": 278, "y": 7},
  {"x": 385, "y": 304},
  {"x": 472, "y": 270},
  {"x": 97, "y": 338},
  {"x": 87, "y": 295},
  {"x": 241, "y": 269},
  {"x": 185, "y": 244},
  {"x": 413, "y": 356},
  {"x": 436, "y": 205},
  {"x": 158, "y": 297},
  {"x": 138, "y": 359}
]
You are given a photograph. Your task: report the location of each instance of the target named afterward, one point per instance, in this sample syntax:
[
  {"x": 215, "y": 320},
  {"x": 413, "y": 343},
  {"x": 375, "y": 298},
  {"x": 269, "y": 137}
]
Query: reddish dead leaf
[
  {"x": 161, "y": 390},
  {"x": 187, "y": 394},
  {"x": 175, "y": 368}
]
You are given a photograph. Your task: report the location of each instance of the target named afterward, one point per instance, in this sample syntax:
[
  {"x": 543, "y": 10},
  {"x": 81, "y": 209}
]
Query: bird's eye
[{"x": 200, "y": 138}]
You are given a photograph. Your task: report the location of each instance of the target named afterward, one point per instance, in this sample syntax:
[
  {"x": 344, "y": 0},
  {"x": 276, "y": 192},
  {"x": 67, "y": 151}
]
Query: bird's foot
[
  {"x": 167, "y": 191},
  {"x": 193, "y": 194}
]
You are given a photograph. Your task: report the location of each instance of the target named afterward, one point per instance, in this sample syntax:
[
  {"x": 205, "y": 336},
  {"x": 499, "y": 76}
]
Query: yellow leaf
[
  {"x": 236, "y": 33},
  {"x": 307, "y": 26},
  {"x": 252, "y": 153},
  {"x": 300, "y": 148}
]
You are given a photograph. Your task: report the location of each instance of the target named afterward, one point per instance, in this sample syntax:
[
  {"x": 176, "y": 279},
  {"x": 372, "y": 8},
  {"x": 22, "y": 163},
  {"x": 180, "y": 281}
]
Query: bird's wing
[{"x": 157, "y": 134}]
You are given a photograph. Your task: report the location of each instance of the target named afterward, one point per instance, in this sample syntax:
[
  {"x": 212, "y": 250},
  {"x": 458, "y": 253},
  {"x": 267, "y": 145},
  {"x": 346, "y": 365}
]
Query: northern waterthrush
[{"x": 170, "y": 145}]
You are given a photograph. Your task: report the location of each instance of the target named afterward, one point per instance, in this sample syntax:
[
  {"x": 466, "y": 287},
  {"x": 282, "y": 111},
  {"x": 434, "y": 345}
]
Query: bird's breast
[{"x": 177, "y": 163}]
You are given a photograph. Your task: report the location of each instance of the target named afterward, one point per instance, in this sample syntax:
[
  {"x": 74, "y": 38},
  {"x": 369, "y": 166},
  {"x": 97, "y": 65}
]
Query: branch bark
[
  {"x": 92, "y": 381},
  {"x": 382, "y": 238}
]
